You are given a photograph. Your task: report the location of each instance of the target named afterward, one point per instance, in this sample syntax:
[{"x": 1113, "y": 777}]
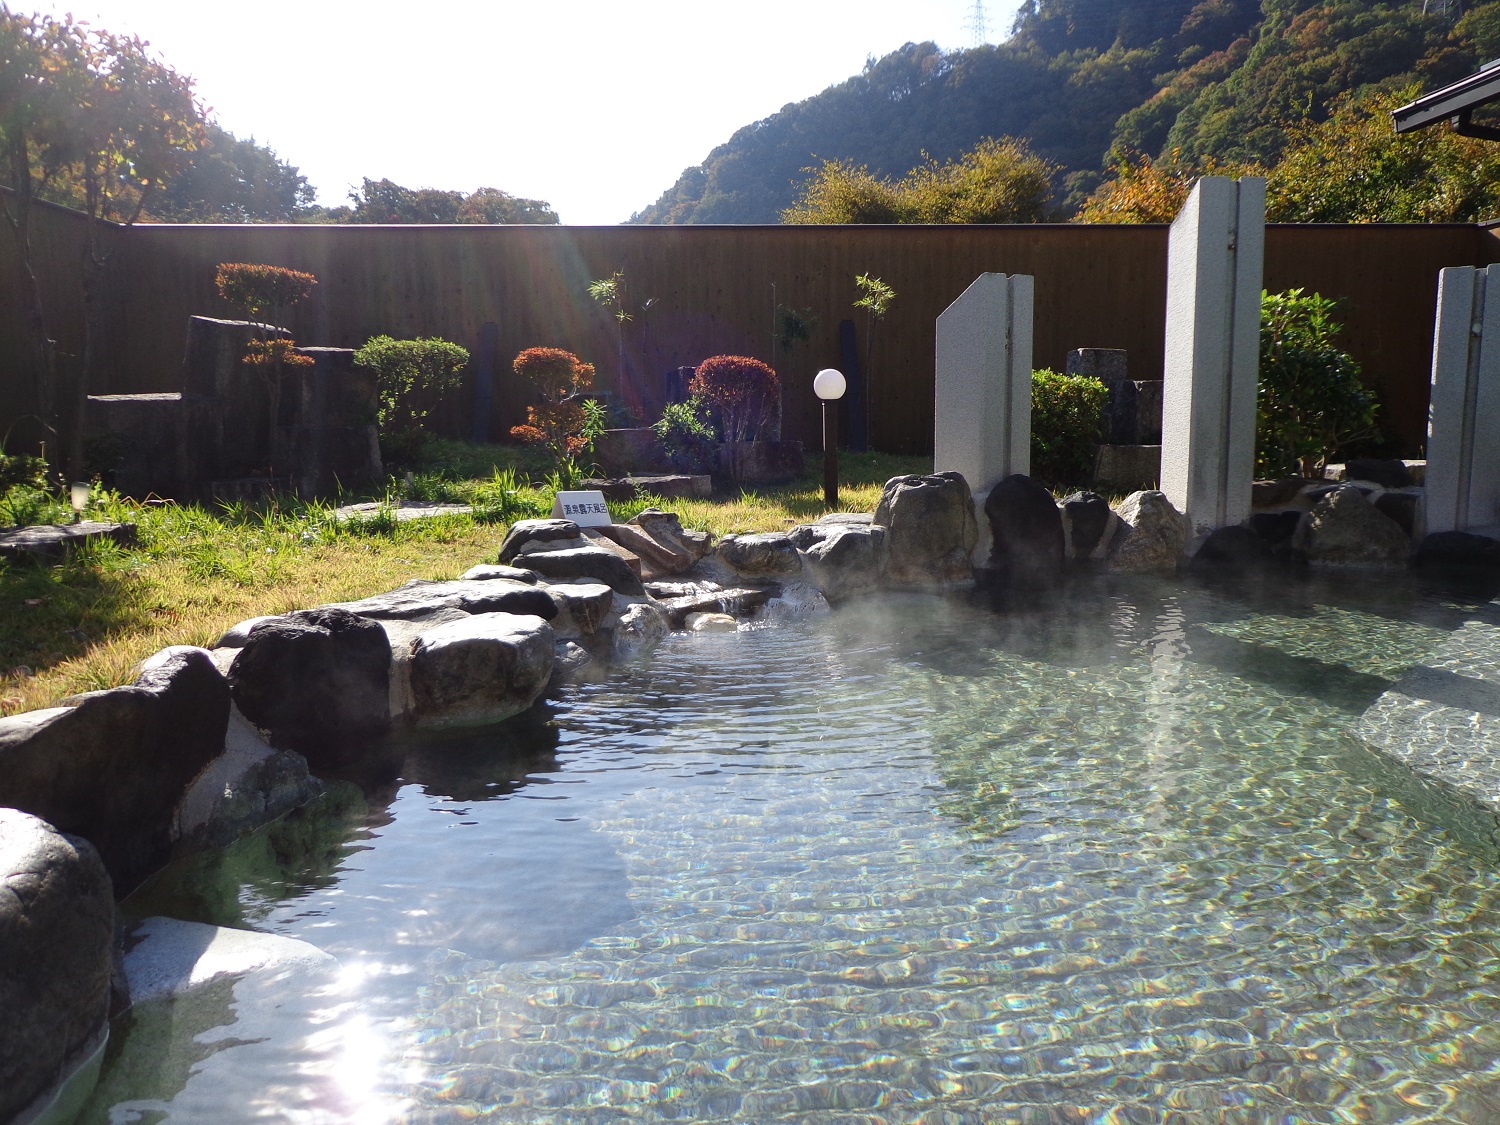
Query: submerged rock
[
  {"x": 1232, "y": 548},
  {"x": 640, "y": 627},
  {"x": 710, "y": 623},
  {"x": 57, "y": 928},
  {"x": 1460, "y": 550},
  {"x": 931, "y": 529}
]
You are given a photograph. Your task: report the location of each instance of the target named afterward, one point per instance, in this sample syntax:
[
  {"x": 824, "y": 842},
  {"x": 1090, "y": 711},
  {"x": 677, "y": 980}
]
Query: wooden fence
[{"x": 715, "y": 290}]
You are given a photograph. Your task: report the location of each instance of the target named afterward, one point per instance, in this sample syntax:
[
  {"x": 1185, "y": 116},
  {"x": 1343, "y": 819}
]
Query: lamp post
[
  {"x": 78, "y": 497},
  {"x": 829, "y": 386}
]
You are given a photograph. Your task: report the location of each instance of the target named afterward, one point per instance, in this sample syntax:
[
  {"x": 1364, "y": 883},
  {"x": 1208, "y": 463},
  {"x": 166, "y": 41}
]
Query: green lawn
[{"x": 87, "y": 622}]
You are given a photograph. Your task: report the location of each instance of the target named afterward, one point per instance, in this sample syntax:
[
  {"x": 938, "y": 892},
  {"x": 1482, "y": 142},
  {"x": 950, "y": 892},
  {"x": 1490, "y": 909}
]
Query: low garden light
[
  {"x": 78, "y": 496},
  {"x": 829, "y": 385}
]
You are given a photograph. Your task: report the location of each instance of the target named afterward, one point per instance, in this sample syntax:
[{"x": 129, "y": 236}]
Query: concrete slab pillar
[
  {"x": 1461, "y": 490},
  {"x": 1215, "y": 255},
  {"x": 983, "y": 406}
]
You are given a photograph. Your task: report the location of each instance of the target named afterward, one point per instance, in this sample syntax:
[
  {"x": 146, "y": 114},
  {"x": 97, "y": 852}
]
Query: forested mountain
[{"x": 1084, "y": 79}]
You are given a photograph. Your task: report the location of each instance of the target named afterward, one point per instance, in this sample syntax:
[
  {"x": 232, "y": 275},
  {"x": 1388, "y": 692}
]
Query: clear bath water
[{"x": 1108, "y": 856}]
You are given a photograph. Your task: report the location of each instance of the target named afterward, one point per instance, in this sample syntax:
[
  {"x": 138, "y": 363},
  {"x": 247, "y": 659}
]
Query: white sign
[{"x": 586, "y": 509}]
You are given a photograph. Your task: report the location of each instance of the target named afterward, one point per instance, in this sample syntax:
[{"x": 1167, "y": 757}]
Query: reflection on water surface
[{"x": 1115, "y": 858}]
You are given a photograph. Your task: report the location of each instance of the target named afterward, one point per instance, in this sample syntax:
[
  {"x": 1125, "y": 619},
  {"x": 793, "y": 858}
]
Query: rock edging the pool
[{"x": 208, "y": 744}]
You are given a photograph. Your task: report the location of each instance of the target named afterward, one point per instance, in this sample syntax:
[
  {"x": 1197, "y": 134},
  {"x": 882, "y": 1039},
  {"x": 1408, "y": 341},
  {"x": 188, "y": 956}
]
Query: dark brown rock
[
  {"x": 1027, "y": 529},
  {"x": 317, "y": 680},
  {"x": 1085, "y": 517},
  {"x": 1459, "y": 550},
  {"x": 57, "y": 925}
]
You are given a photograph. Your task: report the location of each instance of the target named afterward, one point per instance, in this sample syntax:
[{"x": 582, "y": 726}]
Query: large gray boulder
[
  {"x": 528, "y": 536},
  {"x": 844, "y": 560},
  {"x": 421, "y": 598},
  {"x": 587, "y": 562},
  {"x": 112, "y": 765},
  {"x": 481, "y": 669},
  {"x": 57, "y": 925},
  {"x": 1153, "y": 534},
  {"x": 580, "y": 606},
  {"x": 637, "y": 629},
  {"x": 1027, "y": 529},
  {"x": 764, "y": 553},
  {"x": 317, "y": 681},
  {"x": 1345, "y": 529},
  {"x": 931, "y": 529},
  {"x": 667, "y": 529}
]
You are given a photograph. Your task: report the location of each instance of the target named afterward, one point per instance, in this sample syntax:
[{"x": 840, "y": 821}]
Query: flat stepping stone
[
  {"x": 405, "y": 510},
  {"x": 50, "y": 541}
]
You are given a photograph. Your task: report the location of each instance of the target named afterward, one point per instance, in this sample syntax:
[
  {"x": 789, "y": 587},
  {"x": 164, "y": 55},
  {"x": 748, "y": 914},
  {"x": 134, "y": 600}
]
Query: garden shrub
[
  {"x": 1311, "y": 401},
  {"x": 262, "y": 291},
  {"x": 1065, "y": 416},
  {"x": 411, "y": 376},
  {"x": 686, "y": 435},
  {"x": 743, "y": 390},
  {"x": 564, "y": 423}
]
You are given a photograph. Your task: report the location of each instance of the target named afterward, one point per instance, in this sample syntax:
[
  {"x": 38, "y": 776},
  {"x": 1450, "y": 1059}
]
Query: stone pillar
[
  {"x": 1461, "y": 490},
  {"x": 983, "y": 407},
  {"x": 1214, "y": 259}
]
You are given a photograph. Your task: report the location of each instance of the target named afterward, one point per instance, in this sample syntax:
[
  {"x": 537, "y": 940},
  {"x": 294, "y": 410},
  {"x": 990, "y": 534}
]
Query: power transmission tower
[
  {"x": 977, "y": 28},
  {"x": 1448, "y": 9}
]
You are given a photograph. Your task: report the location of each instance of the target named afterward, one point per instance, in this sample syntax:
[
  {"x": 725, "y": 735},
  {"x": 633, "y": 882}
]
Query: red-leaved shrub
[{"x": 743, "y": 390}]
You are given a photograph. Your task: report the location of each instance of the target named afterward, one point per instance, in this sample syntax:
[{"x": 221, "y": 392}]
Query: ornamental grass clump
[
  {"x": 743, "y": 390},
  {"x": 564, "y": 423}
]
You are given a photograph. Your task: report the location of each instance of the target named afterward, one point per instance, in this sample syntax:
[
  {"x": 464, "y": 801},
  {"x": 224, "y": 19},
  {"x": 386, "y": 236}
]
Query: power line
[{"x": 976, "y": 26}]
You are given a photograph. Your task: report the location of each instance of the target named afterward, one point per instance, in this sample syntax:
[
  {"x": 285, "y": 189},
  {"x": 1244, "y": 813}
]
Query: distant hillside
[{"x": 1219, "y": 78}]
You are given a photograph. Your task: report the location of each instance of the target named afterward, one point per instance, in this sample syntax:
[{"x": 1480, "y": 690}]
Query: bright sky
[{"x": 593, "y": 106}]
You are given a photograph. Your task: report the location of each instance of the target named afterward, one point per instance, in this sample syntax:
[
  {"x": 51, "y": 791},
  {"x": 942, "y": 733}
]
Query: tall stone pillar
[
  {"x": 983, "y": 387},
  {"x": 1214, "y": 265},
  {"x": 1461, "y": 490}
]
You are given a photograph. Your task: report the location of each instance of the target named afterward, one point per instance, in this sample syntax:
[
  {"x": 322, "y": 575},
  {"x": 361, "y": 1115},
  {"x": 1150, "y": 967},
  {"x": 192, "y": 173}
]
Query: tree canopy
[
  {"x": 1132, "y": 93},
  {"x": 382, "y": 201},
  {"x": 997, "y": 181}
]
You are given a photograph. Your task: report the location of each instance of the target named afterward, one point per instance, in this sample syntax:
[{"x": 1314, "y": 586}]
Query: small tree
[
  {"x": 875, "y": 297},
  {"x": 1310, "y": 400},
  {"x": 263, "y": 294},
  {"x": 743, "y": 390},
  {"x": 411, "y": 377},
  {"x": 566, "y": 425},
  {"x": 611, "y": 293}
]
